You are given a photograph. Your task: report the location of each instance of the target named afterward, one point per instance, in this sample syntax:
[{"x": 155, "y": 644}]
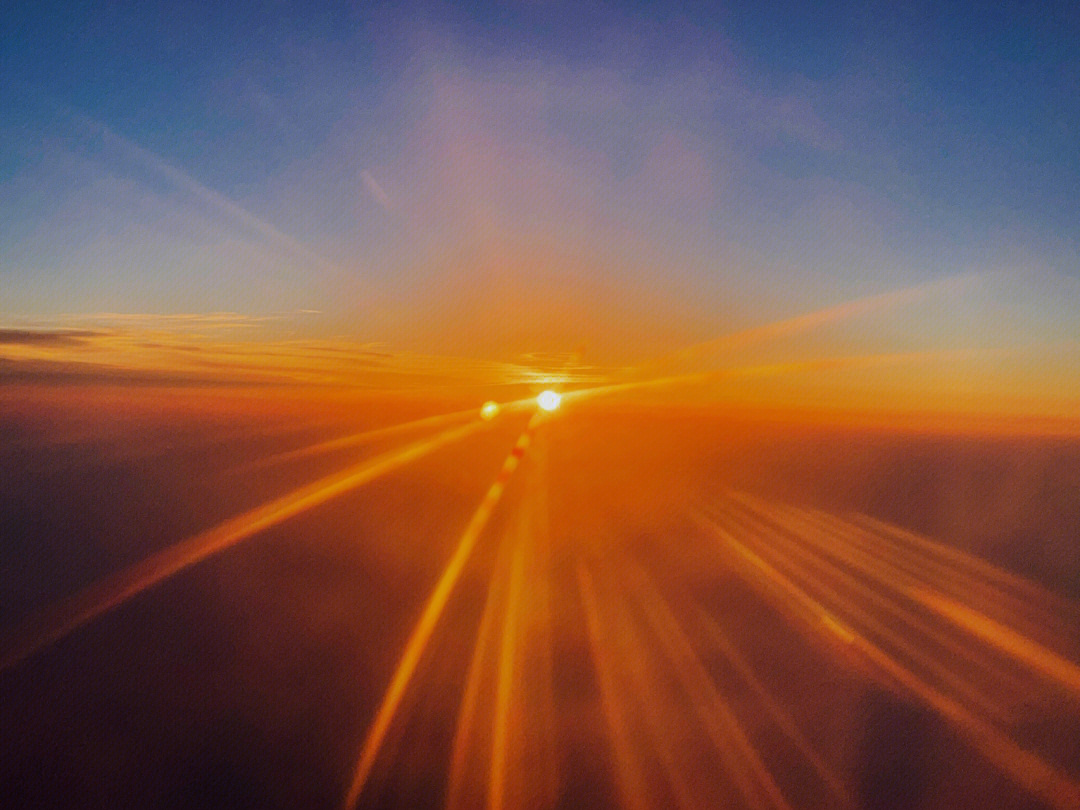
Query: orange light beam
[
  {"x": 353, "y": 439},
  {"x": 777, "y": 712},
  {"x": 429, "y": 618},
  {"x": 755, "y": 783},
  {"x": 455, "y": 791},
  {"x": 1005, "y": 639},
  {"x": 505, "y": 682},
  {"x": 629, "y": 779},
  {"x": 659, "y": 720},
  {"x": 829, "y": 583},
  {"x": 768, "y": 369},
  {"x": 809, "y": 320},
  {"x": 71, "y": 613},
  {"x": 1020, "y": 590},
  {"x": 539, "y": 768},
  {"x": 1027, "y": 769},
  {"x": 1018, "y": 646},
  {"x": 846, "y": 553},
  {"x": 909, "y": 562}
]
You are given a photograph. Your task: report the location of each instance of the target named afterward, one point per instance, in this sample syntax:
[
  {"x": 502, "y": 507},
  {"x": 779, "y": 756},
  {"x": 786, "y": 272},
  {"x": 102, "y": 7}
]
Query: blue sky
[{"x": 410, "y": 170}]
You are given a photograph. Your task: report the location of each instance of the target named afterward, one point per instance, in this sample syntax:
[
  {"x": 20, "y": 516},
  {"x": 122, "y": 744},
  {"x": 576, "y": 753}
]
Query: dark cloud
[
  {"x": 39, "y": 337},
  {"x": 48, "y": 372}
]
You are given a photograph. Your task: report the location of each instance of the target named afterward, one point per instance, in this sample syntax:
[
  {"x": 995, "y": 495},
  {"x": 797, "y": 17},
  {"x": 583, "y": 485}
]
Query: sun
[{"x": 549, "y": 400}]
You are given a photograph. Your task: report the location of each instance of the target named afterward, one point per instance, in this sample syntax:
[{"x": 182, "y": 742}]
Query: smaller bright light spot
[
  {"x": 489, "y": 410},
  {"x": 549, "y": 400}
]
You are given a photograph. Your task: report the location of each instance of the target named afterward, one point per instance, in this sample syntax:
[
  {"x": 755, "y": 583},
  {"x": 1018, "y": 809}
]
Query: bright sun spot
[
  {"x": 489, "y": 410},
  {"x": 549, "y": 400}
]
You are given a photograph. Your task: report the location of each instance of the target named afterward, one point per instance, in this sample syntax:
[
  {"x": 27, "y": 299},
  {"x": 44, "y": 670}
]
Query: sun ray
[
  {"x": 456, "y": 782},
  {"x": 1024, "y": 767},
  {"x": 1023, "y": 649},
  {"x": 851, "y": 600},
  {"x": 69, "y": 614},
  {"x": 749, "y": 772},
  {"x": 429, "y": 618},
  {"x": 629, "y": 779},
  {"x": 809, "y": 320},
  {"x": 1022, "y": 595},
  {"x": 902, "y": 581},
  {"x": 504, "y": 688},
  {"x": 820, "y": 364},
  {"x": 1016, "y": 645},
  {"x": 660, "y": 723},
  {"x": 352, "y": 440},
  {"x": 776, "y": 712}
]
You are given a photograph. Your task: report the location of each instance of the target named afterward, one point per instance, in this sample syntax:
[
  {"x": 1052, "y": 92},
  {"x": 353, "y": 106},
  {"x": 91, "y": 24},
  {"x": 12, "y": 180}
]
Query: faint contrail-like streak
[
  {"x": 429, "y": 618},
  {"x": 214, "y": 199},
  {"x": 56, "y": 622}
]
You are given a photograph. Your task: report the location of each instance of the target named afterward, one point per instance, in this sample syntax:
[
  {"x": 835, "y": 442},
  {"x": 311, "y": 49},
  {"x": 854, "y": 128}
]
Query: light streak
[
  {"x": 354, "y": 439},
  {"x": 505, "y": 680},
  {"x": 750, "y": 774},
  {"x": 811, "y": 320},
  {"x": 776, "y": 712},
  {"x": 842, "y": 362},
  {"x": 659, "y": 720},
  {"x": 1003, "y": 638},
  {"x": 69, "y": 614},
  {"x": 429, "y": 618},
  {"x": 629, "y": 779},
  {"x": 1025, "y": 768},
  {"x": 827, "y": 584},
  {"x": 1007, "y": 640},
  {"x": 455, "y": 791}
]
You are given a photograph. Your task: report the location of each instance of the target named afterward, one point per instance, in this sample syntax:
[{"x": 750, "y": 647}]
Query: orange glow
[
  {"x": 580, "y": 610},
  {"x": 433, "y": 609}
]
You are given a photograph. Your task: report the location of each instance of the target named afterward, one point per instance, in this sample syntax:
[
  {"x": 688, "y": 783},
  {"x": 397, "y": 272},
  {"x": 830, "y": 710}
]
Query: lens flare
[{"x": 489, "y": 410}]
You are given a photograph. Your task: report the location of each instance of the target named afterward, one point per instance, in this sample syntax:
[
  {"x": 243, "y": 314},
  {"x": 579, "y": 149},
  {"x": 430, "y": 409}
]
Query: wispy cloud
[
  {"x": 164, "y": 350},
  {"x": 376, "y": 190},
  {"x": 45, "y": 337},
  {"x": 174, "y": 320},
  {"x": 214, "y": 200}
]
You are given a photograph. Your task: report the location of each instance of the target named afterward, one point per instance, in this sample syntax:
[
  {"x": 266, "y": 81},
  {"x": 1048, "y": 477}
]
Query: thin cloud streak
[
  {"x": 212, "y": 198},
  {"x": 376, "y": 190}
]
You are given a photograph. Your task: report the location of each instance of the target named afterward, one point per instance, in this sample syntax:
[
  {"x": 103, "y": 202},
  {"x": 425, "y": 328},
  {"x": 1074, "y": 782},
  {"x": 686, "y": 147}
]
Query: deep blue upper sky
[{"x": 911, "y": 140}]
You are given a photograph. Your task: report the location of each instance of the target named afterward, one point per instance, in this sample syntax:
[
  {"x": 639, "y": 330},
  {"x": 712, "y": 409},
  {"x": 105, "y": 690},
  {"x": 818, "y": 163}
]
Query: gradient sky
[{"x": 497, "y": 182}]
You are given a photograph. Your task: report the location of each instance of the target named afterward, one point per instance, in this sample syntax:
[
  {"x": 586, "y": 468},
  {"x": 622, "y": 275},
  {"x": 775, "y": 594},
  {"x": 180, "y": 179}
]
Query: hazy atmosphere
[{"x": 539, "y": 405}]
